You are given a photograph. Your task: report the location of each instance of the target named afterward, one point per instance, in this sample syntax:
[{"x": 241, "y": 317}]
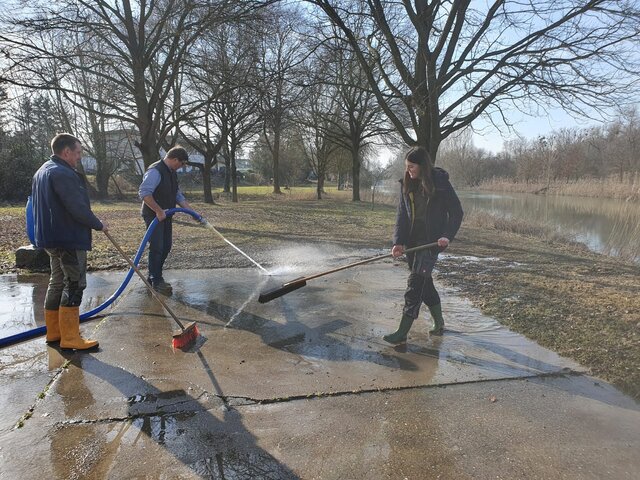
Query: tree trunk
[
  {"x": 102, "y": 184},
  {"x": 148, "y": 143},
  {"x": 355, "y": 173},
  {"x": 234, "y": 176},
  {"x": 320, "y": 187},
  {"x": 276, "y": 161},
  {"x": 227, "y": 174},
  {"x": 103, "y": 166},
  {"x": 206, "y": 178}
]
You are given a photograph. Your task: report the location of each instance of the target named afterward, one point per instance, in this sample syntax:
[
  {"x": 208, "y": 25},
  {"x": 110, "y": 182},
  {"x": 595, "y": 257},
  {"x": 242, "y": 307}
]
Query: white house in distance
[{"x": 122, "y": 151}]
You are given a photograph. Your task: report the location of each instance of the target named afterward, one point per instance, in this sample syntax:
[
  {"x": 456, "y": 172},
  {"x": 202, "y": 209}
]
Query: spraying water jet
[{"x": 211, "y": 227}]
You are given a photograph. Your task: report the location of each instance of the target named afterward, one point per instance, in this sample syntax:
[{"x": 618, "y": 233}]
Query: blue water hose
[{"x": 39, "y": 331}]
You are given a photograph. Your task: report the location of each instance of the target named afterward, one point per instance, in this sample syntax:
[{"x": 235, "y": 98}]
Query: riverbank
[
  {"x": 627, "y": 188},
  {"x": 580, "y": 304}
]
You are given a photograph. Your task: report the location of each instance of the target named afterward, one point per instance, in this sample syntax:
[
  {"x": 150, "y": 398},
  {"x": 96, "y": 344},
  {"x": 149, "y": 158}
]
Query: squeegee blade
[{"x": 281, "y": 290}]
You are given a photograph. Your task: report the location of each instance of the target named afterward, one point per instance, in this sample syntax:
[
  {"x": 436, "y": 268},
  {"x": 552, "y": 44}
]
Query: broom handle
[
  {"x": 361, "y": 262},
  {"x": 146, "y": 282}
]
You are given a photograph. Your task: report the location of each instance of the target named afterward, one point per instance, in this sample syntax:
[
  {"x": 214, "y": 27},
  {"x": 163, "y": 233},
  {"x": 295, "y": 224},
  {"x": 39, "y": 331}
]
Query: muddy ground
[{"x": 582, "y": 305}]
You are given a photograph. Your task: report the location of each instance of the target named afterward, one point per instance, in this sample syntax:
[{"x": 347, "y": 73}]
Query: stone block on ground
[{"x": 32, "y": 258}]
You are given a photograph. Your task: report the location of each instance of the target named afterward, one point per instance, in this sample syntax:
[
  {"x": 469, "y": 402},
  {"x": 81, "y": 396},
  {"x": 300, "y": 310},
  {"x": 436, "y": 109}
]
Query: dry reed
[
  {"x": 518, "y": 226},
  {"x": 627, "y": 189}
]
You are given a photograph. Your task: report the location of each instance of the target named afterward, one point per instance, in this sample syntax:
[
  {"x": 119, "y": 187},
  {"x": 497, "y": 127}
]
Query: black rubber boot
[
  {"x": 438, "y": 322},
  {"x": 163, "y": 287},
  {"x": 400, "y": 335}
]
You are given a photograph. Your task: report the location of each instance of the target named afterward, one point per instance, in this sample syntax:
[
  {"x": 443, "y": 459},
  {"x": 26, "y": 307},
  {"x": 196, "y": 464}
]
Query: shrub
[{"x": 17, "y": 167}]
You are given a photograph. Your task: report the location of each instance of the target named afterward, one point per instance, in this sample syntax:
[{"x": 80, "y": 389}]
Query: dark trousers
[
  {"x": 68, "y": 278},
  {"x": 420, "y": 287},
  {"x": 159, "y": 247}
]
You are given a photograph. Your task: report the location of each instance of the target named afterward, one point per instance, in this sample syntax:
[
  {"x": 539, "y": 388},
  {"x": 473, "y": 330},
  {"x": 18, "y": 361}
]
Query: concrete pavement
[{"x": 304, "y": 387}]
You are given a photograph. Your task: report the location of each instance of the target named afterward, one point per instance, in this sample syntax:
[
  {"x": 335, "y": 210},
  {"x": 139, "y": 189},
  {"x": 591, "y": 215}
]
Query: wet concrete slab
[
  {"x": 22, "y": 298},
  {"x": 303, "y": 387}
]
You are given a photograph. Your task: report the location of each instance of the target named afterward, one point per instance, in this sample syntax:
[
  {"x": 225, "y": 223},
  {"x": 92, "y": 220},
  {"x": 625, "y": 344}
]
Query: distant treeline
[{"x": 596, "y": 161}]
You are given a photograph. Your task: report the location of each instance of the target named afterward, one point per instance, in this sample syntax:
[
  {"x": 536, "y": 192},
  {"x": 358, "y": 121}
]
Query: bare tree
[
  {"x": 281, "y": 62},
  {"x": 378, "y": 174},
  {"x": 360, "y": 121},
  {"x": 293, "y": 165},
  {"x": 235, "y": 106},
  {"x": 91, "y": 121},
  {"x": 140, "y": 47},
  {"x": 201, "y": 134},
  {"x": 462, "y": 158},
  {"x": 446, "y": 63},
  {"x": 623, "y": 142},
  {"x": 205, "y": 84},
  {"x": 317, "y": 123}
]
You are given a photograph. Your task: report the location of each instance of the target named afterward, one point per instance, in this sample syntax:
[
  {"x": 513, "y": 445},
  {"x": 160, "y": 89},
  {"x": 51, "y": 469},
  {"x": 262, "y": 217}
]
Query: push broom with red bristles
[
  {"x": 186, "y": 337},
  {"x": 188, "y": 333}
]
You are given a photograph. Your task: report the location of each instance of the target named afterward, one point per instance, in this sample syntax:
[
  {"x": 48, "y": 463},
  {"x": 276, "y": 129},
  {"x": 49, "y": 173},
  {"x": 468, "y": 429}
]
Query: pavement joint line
[
  {"x": 228, "y": 403},
  {"x": 29, "y": 413},
  {"x": 225, "y": 399},
  {"x": 229, "y": 406},
  {"x": 557, "y": 374}
]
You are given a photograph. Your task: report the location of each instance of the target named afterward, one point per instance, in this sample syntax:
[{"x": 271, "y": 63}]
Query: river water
[{"x": 607, "y": 226}]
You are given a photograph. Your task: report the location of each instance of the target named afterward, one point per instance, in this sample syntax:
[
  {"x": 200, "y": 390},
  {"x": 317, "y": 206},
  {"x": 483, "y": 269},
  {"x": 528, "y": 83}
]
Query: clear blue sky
[{"x": 529, "y": 127}]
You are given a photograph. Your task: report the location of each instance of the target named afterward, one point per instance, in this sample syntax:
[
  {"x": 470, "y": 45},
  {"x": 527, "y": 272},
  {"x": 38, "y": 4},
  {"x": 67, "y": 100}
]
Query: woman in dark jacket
[{"x": 429, "y": 211}]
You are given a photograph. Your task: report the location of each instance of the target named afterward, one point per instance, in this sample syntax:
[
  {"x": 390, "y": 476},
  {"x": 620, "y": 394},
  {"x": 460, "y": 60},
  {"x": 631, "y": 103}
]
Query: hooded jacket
[
  {"x": 62, "y": 213},
  {"x": 444, "y": 212}
]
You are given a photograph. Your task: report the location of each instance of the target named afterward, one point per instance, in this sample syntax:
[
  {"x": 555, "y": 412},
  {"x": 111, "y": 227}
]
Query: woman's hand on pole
[
  {"x": 443, "y": 242},
  {"x": 397, "y": 250}
]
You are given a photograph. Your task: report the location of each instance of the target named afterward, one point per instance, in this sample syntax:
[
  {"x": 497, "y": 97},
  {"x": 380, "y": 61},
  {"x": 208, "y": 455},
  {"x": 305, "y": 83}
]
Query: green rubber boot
[
  {"x": 438, "y": 322},
  {"x": 400, "y": 335}
]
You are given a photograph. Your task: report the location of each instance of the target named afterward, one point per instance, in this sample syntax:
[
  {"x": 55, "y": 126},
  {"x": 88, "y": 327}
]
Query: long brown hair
[{"x": 424, "y": 182}]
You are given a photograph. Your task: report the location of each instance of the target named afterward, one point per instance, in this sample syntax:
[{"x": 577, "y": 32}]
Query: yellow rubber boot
[
  {"x": 70, "y": 330},
  {"x": 52, "y": 321}
]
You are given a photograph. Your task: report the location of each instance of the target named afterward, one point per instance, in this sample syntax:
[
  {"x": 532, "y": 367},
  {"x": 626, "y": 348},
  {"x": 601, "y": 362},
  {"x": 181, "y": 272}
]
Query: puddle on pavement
[
  {"x": 160, "y": 427},
  {"x": 339, "y": 317},
  {"x": 196, "y": 442},
  {"x": 252, "y": 464},
  {"x": 22, "y": 298},
  {"x": 21, "y": 302}
]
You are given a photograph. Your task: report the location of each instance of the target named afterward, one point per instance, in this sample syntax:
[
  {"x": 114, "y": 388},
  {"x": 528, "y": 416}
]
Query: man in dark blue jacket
[{"x": 63, "y": 221}]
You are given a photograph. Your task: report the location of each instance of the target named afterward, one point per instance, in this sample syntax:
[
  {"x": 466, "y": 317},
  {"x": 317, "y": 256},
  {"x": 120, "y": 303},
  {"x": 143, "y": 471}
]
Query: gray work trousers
[{"x": 68, "y": 278}]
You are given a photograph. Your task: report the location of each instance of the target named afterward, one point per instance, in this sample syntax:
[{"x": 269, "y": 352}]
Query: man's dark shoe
[{"x": 163, "y": 287}]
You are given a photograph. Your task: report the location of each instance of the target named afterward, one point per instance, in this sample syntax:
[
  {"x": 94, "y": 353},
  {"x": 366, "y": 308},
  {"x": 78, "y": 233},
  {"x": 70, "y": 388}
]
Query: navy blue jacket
[
  {"x": 62, "y": 214},
  {"x": 444, "y": 212}
]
